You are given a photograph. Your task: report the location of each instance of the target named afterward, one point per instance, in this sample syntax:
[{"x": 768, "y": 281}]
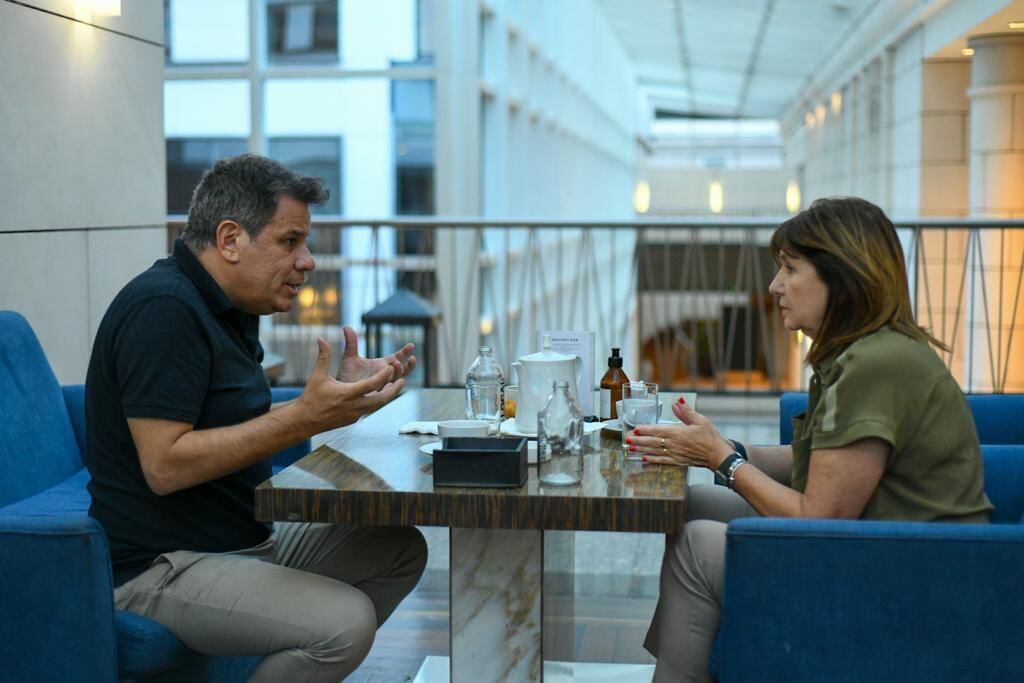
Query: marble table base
[
  {"x": 438, "y": 670},
  {"x": 502, "y": 628}
]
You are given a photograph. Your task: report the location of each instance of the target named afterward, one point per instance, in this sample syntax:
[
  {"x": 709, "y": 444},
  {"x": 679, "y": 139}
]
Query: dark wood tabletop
[{"x": 371, "y": 474}]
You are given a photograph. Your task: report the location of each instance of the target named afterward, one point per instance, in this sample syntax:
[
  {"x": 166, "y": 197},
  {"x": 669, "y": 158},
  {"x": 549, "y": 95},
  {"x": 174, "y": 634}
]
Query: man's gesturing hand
[
  {"x": 354, "y": 367},
  {"x": 329, "y": 403}
]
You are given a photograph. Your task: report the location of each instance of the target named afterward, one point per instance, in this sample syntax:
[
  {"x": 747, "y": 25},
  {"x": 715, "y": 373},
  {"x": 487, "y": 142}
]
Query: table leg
[
  {"x": 496, "y": 579},
  {"x": 559, "y": 601}
]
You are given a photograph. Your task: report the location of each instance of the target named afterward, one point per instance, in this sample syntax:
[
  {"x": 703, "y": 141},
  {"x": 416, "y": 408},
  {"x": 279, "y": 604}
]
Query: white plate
[
  {"x": 429, "y": 448},
  {"x": 616, "y": 426},
  {"x": 509, "y": 428}
]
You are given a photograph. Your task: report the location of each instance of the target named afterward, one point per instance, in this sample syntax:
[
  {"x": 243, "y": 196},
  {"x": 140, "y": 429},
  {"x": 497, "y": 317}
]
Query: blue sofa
[
  {"x": 817, "y": 600},
  {"x": 58, "y": 621}
]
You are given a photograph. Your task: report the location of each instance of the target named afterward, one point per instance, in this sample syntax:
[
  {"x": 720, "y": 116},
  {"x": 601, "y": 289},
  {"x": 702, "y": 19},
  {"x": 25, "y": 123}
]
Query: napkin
[{"x": 418, "y": 428}]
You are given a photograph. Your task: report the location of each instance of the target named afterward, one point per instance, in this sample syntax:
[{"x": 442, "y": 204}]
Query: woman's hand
[{"x": 695, "y": 442}]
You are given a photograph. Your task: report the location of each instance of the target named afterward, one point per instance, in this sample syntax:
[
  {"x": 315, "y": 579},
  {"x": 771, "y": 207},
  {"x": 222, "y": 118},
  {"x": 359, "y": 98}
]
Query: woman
[{"x": 887, "y": 433}]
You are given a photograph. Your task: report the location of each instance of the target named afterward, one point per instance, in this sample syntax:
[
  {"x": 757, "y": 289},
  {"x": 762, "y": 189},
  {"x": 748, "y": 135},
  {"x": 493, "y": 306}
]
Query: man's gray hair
[{"x": 244, "y": 189}]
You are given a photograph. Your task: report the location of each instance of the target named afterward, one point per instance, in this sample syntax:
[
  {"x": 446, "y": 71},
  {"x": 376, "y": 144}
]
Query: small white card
[{"x": 576, "y": 343}]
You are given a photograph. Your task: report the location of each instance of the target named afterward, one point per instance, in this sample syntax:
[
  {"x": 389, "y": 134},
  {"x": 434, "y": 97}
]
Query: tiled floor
[{"x": 615, "y": 581}]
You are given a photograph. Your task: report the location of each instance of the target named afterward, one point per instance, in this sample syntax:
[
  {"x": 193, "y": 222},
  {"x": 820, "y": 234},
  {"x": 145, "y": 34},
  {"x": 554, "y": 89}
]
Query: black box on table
[{"x": 480, "y": 461}]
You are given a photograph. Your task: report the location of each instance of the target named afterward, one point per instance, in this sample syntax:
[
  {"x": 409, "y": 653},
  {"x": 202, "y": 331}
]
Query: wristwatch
[{"x": 725, "y": 474}]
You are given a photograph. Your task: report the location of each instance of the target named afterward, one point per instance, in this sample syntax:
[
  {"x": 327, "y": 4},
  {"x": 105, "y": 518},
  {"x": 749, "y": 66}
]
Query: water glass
[{"x": 639, "y": 406}]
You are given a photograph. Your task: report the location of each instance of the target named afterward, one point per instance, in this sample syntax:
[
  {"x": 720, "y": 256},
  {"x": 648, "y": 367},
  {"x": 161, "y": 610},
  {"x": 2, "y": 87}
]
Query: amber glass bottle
[{"x": 611, "y": 386}]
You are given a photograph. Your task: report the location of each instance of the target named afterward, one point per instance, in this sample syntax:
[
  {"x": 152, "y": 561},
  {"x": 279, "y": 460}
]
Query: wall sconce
[
  {"x": 793, "y": 197},
  {"x": 819, "y": 113},
  {"x": 837, "y": 103},
  {"x": 87, "y": 9},
  {"x": 809, "y": 120},
  {"x": 716, "y": 197},
  {"x": 642, "y": 197}
]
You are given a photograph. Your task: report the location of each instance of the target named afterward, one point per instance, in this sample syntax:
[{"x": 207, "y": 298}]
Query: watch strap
[{"x": 726, "y": 472}]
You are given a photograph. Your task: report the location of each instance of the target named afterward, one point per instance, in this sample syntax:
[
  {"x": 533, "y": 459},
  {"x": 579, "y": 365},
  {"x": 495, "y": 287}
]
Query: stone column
[{"x": 996, "y": 313}]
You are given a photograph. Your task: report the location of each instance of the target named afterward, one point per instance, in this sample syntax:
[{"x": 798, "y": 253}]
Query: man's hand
[
  {"x": 354, "y": 367},
  {"x": 329, "y": 403}
]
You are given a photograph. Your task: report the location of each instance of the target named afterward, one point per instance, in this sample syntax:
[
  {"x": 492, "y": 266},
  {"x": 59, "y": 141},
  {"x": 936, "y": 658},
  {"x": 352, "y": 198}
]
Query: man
[{"x": 180, "y": 429}]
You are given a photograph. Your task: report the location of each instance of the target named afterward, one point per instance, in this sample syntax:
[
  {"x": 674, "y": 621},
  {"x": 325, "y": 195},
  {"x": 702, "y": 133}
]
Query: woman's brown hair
[{"x": 854, "y": 248}]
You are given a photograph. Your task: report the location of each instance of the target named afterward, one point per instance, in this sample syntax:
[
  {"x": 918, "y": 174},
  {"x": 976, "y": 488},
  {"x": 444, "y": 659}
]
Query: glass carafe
[{"x": 560, "y": 438}]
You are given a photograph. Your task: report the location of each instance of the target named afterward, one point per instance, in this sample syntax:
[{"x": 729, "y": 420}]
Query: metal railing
[{"x": 687, "y": 300}]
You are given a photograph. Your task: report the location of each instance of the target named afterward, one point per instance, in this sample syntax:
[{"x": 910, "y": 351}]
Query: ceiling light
[
  {"x": 1017, "y": 24},
  {"x": 967, "y": 51},
  {"x": 716, "y": 197}
]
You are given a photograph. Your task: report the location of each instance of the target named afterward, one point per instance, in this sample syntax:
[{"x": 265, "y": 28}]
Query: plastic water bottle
[
  {"x": 485, "y": 389},
  {"x": 560, "y": 438}
]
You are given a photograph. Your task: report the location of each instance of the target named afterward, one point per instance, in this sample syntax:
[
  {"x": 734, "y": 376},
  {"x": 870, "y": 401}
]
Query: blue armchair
[
  {"x": 814, "y": 600},
  {"x": 58, "y": 621}
]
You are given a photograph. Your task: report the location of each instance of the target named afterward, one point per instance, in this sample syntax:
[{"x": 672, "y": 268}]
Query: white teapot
[{"x": 536, "y": 374}]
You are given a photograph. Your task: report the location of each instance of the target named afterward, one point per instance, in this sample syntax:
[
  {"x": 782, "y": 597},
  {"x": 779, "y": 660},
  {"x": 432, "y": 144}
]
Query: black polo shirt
[{"x": 172, "y": 346}]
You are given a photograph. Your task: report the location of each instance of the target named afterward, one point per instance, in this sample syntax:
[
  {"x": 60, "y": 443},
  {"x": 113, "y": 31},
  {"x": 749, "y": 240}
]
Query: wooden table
[{"x": 371, "y": 474}]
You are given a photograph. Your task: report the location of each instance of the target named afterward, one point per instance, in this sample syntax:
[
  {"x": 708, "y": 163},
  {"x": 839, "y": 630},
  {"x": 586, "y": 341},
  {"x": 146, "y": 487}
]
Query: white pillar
[
  {"x": 997, "y": 191},
  {"x": 457, "y": 176}
]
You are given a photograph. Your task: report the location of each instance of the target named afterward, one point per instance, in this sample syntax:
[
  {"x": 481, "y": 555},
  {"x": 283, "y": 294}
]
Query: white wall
[
  {"x": 900, "y": 138},
  {"x": 82, "y": 163},
  {"x": 679, "y": 191},
  {"x": 535, "y": 119}
]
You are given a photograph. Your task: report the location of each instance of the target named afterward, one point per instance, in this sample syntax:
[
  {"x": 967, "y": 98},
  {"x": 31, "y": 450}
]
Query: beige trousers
[
  {"x": 310, "y": 598},
  {"x": 692, "y": 572}
]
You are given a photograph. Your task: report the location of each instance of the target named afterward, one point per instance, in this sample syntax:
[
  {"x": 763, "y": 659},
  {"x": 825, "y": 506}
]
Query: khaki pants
[
  {"x": 310, "y": 598},
  {"x": 692, "y": 572}
]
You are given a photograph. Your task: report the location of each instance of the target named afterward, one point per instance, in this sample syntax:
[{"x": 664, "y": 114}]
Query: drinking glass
[{"x": 639, "y": 406}]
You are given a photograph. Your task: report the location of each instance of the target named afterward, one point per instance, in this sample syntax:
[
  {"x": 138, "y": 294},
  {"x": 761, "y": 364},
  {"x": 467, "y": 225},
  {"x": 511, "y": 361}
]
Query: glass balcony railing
[{"x": 687, "y": 300}]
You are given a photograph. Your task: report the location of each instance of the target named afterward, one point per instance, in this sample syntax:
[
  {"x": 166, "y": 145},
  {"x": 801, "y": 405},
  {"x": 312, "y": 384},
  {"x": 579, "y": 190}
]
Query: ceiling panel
[{"x": 711, "y": 45}]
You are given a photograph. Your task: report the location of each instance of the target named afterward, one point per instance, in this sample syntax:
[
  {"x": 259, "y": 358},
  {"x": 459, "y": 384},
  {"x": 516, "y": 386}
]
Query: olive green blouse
[{"x": 895, "y": 388}]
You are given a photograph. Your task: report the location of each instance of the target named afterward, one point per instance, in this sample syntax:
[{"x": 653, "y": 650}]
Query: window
[
  {"x": 187, "y": 159},
  {"x": 412, "y": 104},
  {"x": 425, "y": 31},
  {"x": 302, "y": 31},
  {"x": 204, "y": 32},
  {"x": 320, "y": 157}
]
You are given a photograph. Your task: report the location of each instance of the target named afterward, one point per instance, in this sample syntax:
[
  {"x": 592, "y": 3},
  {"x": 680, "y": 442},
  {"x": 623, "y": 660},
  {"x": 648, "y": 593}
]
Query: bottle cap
[{"x": 614, "y": 361}]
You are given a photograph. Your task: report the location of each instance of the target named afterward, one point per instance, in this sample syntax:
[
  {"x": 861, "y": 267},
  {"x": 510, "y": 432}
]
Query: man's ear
[{"x": 231, "y": 237}]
